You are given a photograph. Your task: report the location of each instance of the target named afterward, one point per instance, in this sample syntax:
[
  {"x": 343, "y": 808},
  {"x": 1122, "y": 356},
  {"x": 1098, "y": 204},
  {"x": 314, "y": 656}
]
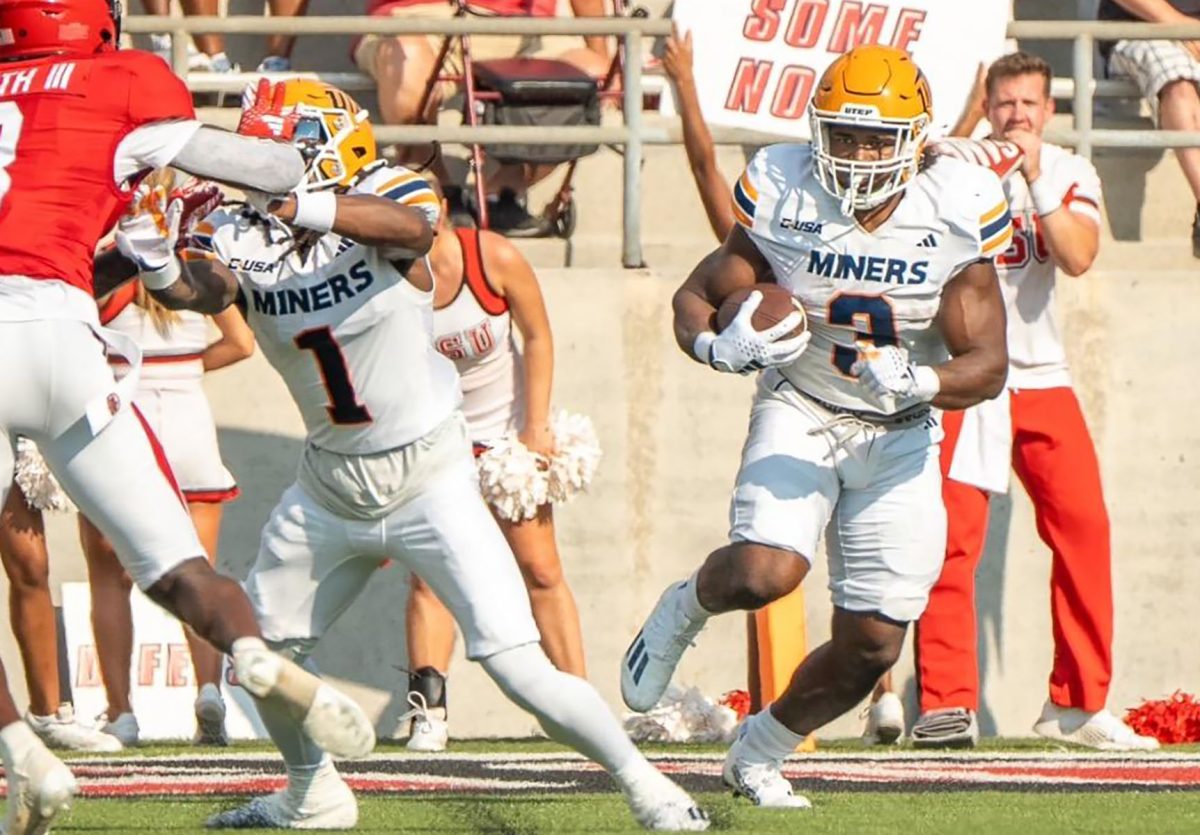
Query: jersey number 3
[
  {"x": 870, "y": 316},
  {"x": 343, "y": 407},
  {"x": 11, "y": 120}
]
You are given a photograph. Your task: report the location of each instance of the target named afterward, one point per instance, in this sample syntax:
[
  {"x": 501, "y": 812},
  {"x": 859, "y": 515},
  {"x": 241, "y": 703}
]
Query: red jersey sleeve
[{"x": 155, "y": 93}]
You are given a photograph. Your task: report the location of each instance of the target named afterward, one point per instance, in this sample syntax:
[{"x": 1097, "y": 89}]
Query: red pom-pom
[
  {"x": 738, "y": 701},
  {"x": 1172, "y": 720}
]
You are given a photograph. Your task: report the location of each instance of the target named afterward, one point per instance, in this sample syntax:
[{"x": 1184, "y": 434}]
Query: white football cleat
[
  {"x": 330, "y": 719},
  {"x": 124, "y": 728},
  {"x": 946, "y": 727},
  {"x": 660, "y": 805},
  {"x": 885, "y": 721},
  {"x": 654, "y": 654},
  {"x": 39, "y": 787},
  {"x": 327, "y": 803},
  {"x": 64, "y": 730},
  {"x": 210, "y": 717},
  {"x": 1100, "y": 730},
  {"x": 760, "y": 781},
  {"x": 429, "y": 731}
]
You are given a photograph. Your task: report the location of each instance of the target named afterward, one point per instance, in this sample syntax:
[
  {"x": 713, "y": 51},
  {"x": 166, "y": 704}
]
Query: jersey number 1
[
  {"x": 344, "y": 407},
  {"x": 11, "y": 120}
]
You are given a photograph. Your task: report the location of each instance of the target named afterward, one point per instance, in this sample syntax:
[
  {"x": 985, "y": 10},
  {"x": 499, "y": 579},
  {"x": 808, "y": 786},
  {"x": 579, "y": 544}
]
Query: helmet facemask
[
  {"x": 862, "y": 185},
  {"x": 319, "y": 136}
]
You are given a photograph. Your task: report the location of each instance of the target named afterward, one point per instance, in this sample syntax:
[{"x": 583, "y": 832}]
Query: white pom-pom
[
  {"x": 574, "y": 464},
  {"x": 512, "y": 480},
  {"x": 41, "y": 489},
  {"x": 683, "y": 716}
]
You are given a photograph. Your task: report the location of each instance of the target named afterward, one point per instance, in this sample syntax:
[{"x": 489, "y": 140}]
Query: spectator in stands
[
  {"x": 885, "y": 715},
  {"x": 23, "y": 551},
  {"x": 711, "y": 182},
  {"x": 403, "y": 66},
  {"x": 209, "y": 51},
  {"x": 1167, "y": 73},
  {"x": 1037, "y": 428}
]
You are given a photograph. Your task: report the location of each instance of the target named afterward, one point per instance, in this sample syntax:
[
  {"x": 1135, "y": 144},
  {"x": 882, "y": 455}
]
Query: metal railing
[{"x": 633, "y": 135}]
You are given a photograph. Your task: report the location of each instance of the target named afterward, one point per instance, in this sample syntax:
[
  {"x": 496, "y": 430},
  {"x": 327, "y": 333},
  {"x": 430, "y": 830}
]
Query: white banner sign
[
  {"x": 757, "y": 61},
  {"x": 162, "y": 679}
]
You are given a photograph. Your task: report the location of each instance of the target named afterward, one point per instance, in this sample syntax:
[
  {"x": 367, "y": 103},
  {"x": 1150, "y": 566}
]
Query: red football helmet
[{"x": 32, "y": 28}]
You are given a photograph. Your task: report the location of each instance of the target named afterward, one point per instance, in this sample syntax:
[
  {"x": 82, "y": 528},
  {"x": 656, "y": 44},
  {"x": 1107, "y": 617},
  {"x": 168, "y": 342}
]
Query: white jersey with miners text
[
  {"x": 351, "y": 337},
  {"x": 883, "y": 286},
  {"x": 1027, "y": 272}
]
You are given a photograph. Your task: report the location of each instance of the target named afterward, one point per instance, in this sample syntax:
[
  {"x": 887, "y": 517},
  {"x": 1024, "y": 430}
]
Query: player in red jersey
[{"x": 80, "y": 123}]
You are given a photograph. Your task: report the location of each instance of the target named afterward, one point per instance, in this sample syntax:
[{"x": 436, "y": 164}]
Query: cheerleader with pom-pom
[{"x": 527, "y": 458}]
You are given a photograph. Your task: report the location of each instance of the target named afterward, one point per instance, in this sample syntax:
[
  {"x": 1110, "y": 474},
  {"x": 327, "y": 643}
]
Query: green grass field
[
  {"x": 863, "y": 813},
  {"x": 1049, "y": 808}
]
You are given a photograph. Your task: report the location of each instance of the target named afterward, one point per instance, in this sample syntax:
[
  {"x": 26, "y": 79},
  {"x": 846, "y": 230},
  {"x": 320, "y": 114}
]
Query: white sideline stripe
[{"x": 1084, "y": 757}]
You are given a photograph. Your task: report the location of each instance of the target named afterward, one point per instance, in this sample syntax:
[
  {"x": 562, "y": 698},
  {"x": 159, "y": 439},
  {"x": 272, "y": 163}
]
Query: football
[{"x": 776, "y": 305}]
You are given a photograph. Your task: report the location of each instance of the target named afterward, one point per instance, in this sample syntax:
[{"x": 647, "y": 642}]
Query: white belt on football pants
[{"x": 102, "y": 408}]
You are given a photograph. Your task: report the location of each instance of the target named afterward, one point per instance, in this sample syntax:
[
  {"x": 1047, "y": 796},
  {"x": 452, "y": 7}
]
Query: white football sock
[
  {"x": 767, "y": 738},
  {"x": 689, "y": 597},
  {"x": 300, "y": 754},
  {"x": 568, "y": 708}
]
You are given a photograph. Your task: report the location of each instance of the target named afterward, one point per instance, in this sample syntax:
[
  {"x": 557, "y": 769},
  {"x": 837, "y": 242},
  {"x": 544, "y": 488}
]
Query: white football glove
[
  {"x": 147, "y": 235},
  {"x": 886, "y": 371},
  {"x": 742, "y": 349}
]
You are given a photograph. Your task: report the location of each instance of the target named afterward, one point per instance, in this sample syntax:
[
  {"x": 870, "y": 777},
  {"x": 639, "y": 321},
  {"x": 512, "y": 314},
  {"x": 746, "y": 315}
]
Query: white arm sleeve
[
  {"x": 241, "y": 161},
  {"x": 151, "y": 146}
]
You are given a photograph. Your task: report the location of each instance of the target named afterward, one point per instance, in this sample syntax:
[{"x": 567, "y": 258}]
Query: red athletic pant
[{"x": 1054, "y": 457}]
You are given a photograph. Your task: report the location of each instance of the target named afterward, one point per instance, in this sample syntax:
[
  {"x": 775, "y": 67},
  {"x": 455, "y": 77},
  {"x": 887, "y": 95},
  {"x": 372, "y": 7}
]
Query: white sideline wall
[{"x": 672, "y": 431}]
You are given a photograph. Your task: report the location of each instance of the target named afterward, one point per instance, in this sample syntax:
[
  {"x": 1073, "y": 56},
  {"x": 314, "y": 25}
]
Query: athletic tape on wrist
[
  {"x": 1045, "y": 197},
  {"x": 926, "y": 381},
  {"x": 316, "y": 210},
  {"x": 161, "y": 279}
]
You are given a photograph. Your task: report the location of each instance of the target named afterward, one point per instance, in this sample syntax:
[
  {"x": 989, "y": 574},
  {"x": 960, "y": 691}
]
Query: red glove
[
  {"x": 200, "y": 198},
  {"x": 262, "y": 113}
]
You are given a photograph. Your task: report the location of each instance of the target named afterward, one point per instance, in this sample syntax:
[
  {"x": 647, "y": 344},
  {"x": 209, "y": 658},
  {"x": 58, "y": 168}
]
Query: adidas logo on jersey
[{"x": 929, "y": 241}]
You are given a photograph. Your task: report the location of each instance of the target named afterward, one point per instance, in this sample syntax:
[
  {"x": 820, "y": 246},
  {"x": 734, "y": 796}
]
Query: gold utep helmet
[
  {"x": 876, "y": 88},
  {"x": 327, "y": 126}
]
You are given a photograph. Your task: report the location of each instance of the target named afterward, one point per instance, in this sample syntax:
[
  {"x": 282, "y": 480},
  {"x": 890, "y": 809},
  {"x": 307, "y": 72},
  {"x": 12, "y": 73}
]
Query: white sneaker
[
  {"x": 39, "y": 787},
  {"x": 759, "y": 780},
  {"x": 885, "y": 721},
  {"x": 64, "y": 730},
  {"x": 210, "y": 717},
  {"x": 662, "y": 806},
  {"x": 946, "y": 727},
  {"x": 275, "y": 63},
  {"x": 429, "y": 731},
  {"x": 654, "y": 653},
  {"x": 331, "y": 720},
  {"x": 1100, "y": 730},
  {"x": 328, "y": 803},
  {"x": 124, "y": 728}
]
